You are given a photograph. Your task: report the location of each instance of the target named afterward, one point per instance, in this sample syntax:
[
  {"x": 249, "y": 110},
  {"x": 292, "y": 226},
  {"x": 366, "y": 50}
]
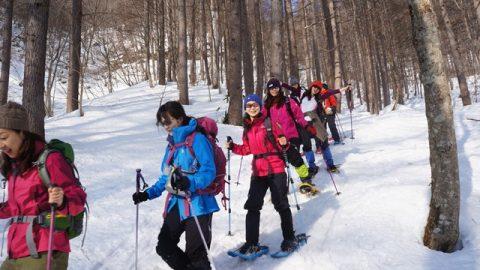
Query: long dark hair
[
  {"x": 26, "y": 156},
  {"x": 279, "y": 100}
]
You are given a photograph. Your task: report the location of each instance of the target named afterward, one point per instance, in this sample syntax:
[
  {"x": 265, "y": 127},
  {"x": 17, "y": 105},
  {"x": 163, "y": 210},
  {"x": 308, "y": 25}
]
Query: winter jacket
[
  {"x": 203, "y": 173},
  {"x": 281, "y": 116},
  {"x": 256, "y": 142},
  {"x": 295, "y": 92},
  {"x": 28, "y": 196},
  {"x": 331, "y": 101}
]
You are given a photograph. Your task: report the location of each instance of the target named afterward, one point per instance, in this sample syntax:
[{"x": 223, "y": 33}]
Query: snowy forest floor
[{"x": 376, "y": 222}]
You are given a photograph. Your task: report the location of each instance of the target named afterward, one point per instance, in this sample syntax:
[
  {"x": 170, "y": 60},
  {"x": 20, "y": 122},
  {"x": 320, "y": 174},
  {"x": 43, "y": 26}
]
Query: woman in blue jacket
[{"x": 183, "y": 174}]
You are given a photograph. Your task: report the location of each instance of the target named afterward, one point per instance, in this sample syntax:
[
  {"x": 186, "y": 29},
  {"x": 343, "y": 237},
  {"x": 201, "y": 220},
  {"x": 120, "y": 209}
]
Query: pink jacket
[
  {"x": 256, "y": 142},
  {"x": 28, "y": 196},
  {"x": 283, "y": 118}
]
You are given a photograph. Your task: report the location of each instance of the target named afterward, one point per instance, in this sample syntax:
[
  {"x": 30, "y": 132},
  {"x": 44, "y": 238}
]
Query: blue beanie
[{"x": 252, "y": 97}]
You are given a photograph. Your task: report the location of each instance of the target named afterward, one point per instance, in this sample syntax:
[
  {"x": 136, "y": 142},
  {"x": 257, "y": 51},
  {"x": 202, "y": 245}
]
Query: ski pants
[
  {"x": 195, "y": 255},
  {"x": 332, "y": 126},
  {"x": 59, "y": 262},
  {"x": 278, "y": 184}
]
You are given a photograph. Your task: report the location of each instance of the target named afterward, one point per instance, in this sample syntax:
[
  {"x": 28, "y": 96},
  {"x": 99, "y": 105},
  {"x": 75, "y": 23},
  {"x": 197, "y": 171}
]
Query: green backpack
[{"x": 73, "y": 225}]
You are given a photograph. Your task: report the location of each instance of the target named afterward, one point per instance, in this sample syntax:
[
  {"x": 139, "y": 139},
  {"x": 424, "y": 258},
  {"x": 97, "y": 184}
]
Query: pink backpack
[{"x": 218, "y": 185}]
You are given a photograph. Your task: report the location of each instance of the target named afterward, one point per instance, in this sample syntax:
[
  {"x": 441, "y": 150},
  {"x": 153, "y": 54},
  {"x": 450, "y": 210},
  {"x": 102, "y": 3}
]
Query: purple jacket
[{"x": 282, "y": 118}]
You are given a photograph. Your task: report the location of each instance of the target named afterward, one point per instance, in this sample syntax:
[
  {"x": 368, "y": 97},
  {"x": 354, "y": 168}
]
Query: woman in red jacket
[
  {"x": 28, "y": 197},
  {"x": 268, "y": 172}
]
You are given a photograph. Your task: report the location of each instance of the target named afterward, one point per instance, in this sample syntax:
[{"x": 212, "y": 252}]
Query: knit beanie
[
  {"x": 273, "y": 83},
  {"x": 252, "y": 97},
  {"x": 293, "y": 81},
  {"x": 13, "y": 116}
]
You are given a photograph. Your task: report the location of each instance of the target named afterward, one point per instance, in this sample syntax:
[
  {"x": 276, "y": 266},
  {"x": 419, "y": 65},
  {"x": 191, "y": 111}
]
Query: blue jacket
[{"x": 202, "y": 165}]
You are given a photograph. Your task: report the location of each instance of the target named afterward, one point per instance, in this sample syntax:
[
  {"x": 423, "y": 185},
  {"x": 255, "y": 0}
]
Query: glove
[
  {"x": 311, "y": 129},
  {"x": 139, "y": 197},
  {"x": 229, "y": 145},
  {"x": 180, "y": 181}
]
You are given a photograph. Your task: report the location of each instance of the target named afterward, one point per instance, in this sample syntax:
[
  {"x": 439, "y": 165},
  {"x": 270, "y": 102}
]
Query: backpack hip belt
[
  {"x": 40, "y": 219},
  {"x": 264, "y": 155}
]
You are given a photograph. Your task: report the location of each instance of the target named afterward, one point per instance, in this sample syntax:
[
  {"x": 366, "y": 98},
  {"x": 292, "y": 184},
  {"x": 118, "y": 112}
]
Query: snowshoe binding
[
  {"x": 308, "y": 189},
  {"x": 289, "y": 246},
  {"x": 249, "y": 252}
]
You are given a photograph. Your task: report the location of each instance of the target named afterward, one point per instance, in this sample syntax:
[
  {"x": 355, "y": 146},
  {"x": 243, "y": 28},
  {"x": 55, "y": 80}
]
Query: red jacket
[
  {"x": 331, "y": 101},
  {"x": 28, "y": 196},
  {"x": 256, "y": 142}
]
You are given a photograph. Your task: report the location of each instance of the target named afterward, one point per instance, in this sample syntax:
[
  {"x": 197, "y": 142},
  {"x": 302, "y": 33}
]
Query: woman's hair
[
  {"x": 175, "y": 110},
  {"x": 248, "y": 122},
  {"x": 26, "y": 156},
  {"x": 271, "y": 100}
]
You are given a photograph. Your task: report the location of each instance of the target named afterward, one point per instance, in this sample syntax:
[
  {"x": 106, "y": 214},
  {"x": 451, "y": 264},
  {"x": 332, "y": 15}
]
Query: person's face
[
  {"x": 296, "y": 85},
  {"x": 274, "y": 91},
  {"x": 252, "y": 108},
  {"x": 169, "y": 123},
  {"x": 10, "y": 142},
  {"x": 315, "y": 90}
]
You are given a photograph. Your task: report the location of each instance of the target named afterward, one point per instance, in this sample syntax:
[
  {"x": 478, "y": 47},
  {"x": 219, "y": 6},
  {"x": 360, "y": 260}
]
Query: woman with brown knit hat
[{"x": 29, "y": 199}]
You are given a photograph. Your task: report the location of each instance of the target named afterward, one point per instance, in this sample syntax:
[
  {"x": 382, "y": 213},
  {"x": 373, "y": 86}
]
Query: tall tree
[
  {"x": 161, "y": 41},
  {"x": 216, "y": 38},
  {"x": 6, "y": 9},
  {"x": 442, "y": 229},
  {"x": 259, "y": 56},
  {"x": 456, "y": 56},
  {"x": 276, "y": 58},
  {"x": 205, "y": 42},
  {"x": 74, "y": 65},
  {"x": 247, "y": 60},
  {"x": 193, "y": 54},
  {"x": 182, "y": 69},
  {"x": 292, "y": 48},
  {"x": 147, "y": 38},
  {"x": 234, "y": 67},
  {"x": 35, "y": 54}
]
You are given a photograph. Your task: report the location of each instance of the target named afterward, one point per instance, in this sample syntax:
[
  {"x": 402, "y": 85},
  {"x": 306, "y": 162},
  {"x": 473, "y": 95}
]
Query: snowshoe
[
  {"x": 308, "y": 189},
  {"x": 334, "y": 168},
  {"x": 338, "y": 143},
  {"x": 313, "y": 170},
  {"x": 249, "y": 252},
  {"x": 289, "y": 246}
]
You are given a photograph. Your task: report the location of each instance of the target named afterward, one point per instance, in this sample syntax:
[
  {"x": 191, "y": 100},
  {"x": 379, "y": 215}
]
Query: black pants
[
  {"x": 293, "y": 153},
  {"x": 195, "y": 255},
  {"x": 331, "y": 124},
  {"x": 278, "y": 189},
  {"x": 306, "y": 138}
]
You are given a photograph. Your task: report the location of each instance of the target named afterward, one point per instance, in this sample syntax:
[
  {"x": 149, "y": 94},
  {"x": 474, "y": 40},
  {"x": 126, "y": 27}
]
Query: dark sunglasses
[{"x": 252, "y": 105}]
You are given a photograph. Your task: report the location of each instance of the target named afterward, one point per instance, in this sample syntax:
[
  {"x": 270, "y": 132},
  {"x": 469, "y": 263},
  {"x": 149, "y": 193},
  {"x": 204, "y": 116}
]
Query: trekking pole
[
  {"x": 331, "y": 177},
  {"x": 138, "y": 179},
  {"x": 53, "y": 207},
  {"x": 239, "y": 171},
  {"x": 289, "y": 176},
  {"x": 209, "y": 254},
  {"x": 229, "y": 139},
  {"x": 342, "y": 131}
]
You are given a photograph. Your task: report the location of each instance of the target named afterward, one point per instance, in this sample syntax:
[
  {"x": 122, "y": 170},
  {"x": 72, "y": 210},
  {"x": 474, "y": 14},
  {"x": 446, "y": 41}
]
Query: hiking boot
[
  {"x": 338, "y": 142},
  {"x": 332, "y": 169},
  {"x": 313, "y": 170},
  {"x": 249, "y": 248},
  {"x": 289, "y": 245}
]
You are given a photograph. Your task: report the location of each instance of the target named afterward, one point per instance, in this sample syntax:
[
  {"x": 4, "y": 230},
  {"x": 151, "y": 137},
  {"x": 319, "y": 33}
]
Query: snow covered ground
[{"x": 376, "y": 222}]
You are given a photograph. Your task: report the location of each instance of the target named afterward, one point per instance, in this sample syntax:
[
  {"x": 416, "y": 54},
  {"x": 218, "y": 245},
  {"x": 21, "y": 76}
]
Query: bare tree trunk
[
  {"x": 6, "y": 36},
  {"x": 316, "y": 39},
  {"x": 205, "y": 43},
  {"x": 306, "y": 47},
  {"x": 182, "y": 71},
  {"x": 329, "y": 19},
  {"x": 35, "y": 54},
  {"x": 55, "y": 51},
  {"x": 442, "y": 229},
  {"x": 75, "y": 48},
  {"x": 337, "y": 71},
  {"x": 276, "y": 40},
  {"x": 161, "y": 41},
  {"x": 457, "y": 57},
  {"x": 193, "y": 55},
  {"x": 148, "y": 73},
  {"x": 234, "y": 69},
  {"x": 292, "y": 52},
  {"x": 259, "y": 56},
  {"x": 216, "y": 38},
  {"x": 247, "y": 59}
]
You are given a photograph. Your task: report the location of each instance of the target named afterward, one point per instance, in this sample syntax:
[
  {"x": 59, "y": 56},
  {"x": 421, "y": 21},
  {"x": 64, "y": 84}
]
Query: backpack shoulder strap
[
  {"x": 42, "y": 167},
  {"x": 289, "y": 108},
  {"x": 268, "y": 125}
]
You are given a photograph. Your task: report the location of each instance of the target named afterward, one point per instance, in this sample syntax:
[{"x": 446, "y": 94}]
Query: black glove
[
  {"x": 180, "y": 181},
  {"x": 230, "y": 145},
  {"x": 139, "y": 197}
]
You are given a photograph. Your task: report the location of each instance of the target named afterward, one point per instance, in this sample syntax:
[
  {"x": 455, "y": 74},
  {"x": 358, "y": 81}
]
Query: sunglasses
[{"x": 251, "y": 105}]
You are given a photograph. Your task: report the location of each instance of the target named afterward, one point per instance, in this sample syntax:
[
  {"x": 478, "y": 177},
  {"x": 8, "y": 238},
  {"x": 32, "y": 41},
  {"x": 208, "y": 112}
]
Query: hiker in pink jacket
[
  {"x": 29, "y": 198},
  {"x": 287, "y": 114}
]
